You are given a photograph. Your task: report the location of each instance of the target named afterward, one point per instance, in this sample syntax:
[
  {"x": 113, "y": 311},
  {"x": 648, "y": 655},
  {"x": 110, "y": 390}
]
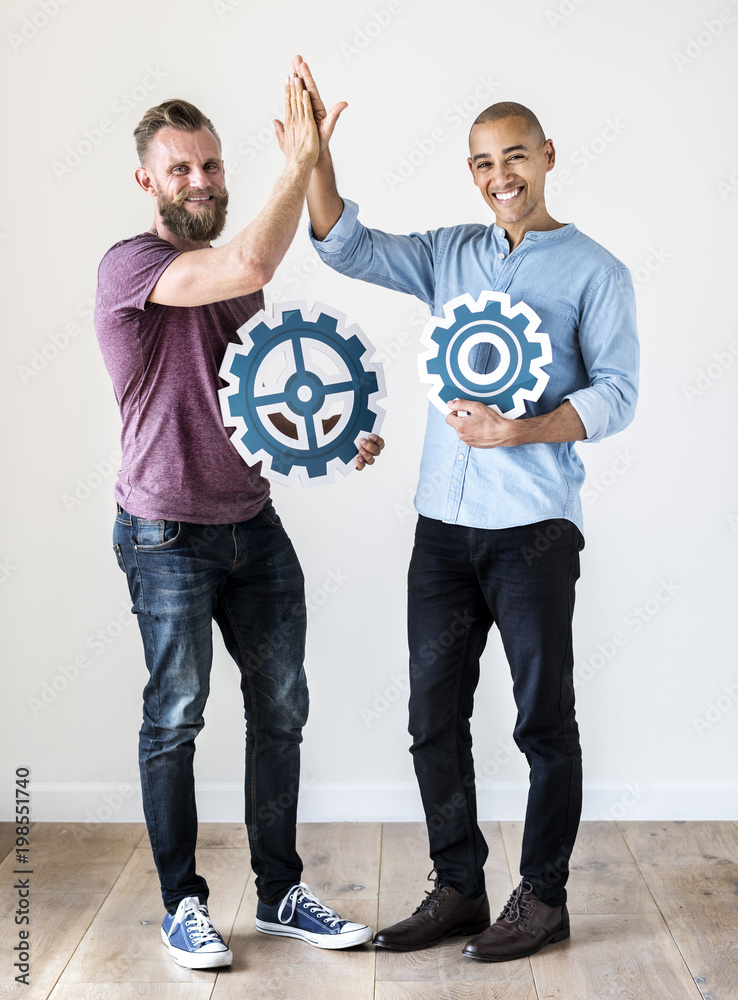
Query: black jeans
[{"x": 461, "y": 581}]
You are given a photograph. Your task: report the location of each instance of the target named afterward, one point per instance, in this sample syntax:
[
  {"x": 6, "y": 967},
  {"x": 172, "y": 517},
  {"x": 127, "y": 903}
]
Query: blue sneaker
[
  {"x": 192, "y": 940},
  {"x": 302, "y": 915}
]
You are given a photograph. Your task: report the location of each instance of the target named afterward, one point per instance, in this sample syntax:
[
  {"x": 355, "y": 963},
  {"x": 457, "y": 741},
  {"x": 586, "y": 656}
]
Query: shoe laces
[
  {"x": 198, "y": 924},
  {"x": 517, "y": 908},
  {"x": 433, "y": 896},
  {"x": 302, "y": 895}
]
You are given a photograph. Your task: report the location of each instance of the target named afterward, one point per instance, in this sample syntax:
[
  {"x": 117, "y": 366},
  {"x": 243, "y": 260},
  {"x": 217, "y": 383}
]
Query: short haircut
[
  {"x": 509, "y": 109},
  {"x": 170, "y": 114}
]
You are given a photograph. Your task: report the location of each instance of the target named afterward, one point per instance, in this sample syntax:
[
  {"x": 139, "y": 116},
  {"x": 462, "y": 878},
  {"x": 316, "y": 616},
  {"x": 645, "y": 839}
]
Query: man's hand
[
  {"x": 485, "y": 428},
  {"x": 369, "y": 449},
  {"x": 325, "y": 120},
  {"x": 298, "y": 138}
]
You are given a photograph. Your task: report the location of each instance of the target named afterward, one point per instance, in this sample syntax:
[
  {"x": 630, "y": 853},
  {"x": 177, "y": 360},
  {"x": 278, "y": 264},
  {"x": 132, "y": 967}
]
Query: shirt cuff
[
  {"x": 341, "y": 233},
  {"x": 593, "y": 412}
]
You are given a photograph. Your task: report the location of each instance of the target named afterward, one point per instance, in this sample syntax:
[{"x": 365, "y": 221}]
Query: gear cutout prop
[
  {"x": 300, "y": 393},
  {"x": 486, "y": 350}
]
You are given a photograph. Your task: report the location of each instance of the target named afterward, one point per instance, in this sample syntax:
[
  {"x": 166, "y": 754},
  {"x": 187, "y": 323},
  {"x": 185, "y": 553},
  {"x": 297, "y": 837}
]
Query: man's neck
[
  {"x": 516, "y": 233},
  {"x": 158, "y": 228}
]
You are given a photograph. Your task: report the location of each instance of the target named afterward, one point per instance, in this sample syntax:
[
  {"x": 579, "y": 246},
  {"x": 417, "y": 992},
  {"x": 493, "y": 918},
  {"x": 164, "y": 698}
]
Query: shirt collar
[{"x": 552, "y": 234}]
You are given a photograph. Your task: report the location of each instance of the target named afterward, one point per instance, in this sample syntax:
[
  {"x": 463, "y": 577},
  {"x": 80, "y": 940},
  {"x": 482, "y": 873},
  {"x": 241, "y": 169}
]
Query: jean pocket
[
  {"x": 155, "y": 534},
  {"x": 119, "y": 557},
  {"x": 270, "y": 515}
]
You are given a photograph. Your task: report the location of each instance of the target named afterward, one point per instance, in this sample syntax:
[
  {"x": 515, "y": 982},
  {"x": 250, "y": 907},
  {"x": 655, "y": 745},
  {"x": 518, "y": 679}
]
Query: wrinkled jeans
[
  {"x": 461, "y": 581},
  {"x": 247, "y": 577}
]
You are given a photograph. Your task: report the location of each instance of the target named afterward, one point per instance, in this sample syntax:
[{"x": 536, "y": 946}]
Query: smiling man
[
  {"x": 196, "y": 532},
  {"x": 499, "y": 528}
]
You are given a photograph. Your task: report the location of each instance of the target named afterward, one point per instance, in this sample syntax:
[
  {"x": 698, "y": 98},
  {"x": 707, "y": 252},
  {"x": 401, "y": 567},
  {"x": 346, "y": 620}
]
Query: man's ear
[
  {"x": 146, "y": 181},
  {"x": 471, "y": 165},
  {"x": 550, "y": 155}
]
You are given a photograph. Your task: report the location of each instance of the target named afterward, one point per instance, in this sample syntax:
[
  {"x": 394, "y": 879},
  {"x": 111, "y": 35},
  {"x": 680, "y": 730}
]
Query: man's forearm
[
  {"x": 485, "y": 428},
  {"x": 561, "y": 424},
  {"x": 325, "y": 204},
  {"x": 262, "y": 244}
]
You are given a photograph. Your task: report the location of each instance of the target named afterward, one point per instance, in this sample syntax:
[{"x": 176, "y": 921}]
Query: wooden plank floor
[{"x": 654, "y": 915}]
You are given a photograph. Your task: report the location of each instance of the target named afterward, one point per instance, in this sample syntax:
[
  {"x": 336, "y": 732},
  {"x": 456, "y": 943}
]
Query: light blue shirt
[{"x": 585, "y": 300}]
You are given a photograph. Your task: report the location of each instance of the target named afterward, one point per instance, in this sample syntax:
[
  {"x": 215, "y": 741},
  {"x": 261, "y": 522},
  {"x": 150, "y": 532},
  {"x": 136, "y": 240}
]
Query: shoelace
[
  {"x": 517, "y": 908},
  {"x": 432, "y": 896},
  {"x": 199, "y": 926},
  {"x": 300, "y": 895}
]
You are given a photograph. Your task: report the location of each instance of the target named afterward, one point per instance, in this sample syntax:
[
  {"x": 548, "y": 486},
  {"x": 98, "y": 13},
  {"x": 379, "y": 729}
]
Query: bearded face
[{"x": 195, "y": 216}]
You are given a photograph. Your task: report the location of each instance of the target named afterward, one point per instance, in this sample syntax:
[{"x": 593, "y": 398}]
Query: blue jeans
[
  {"x": 247, "y": 577},
  {"x": 461, "y": 581}
]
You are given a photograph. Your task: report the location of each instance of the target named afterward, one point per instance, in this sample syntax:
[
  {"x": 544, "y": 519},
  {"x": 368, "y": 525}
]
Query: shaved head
[{"x": 509, "y": 109}]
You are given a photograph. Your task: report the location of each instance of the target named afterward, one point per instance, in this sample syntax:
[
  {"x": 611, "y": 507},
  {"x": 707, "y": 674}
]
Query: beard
[{"x": 206, "y": 223}]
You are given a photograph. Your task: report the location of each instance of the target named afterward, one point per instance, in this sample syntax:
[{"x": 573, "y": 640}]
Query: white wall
[{"x": 646, "y": 91}]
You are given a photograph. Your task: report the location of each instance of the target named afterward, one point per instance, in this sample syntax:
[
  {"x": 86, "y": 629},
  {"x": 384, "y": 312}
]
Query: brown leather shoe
[
  {"x": 443, "y": 913},
  {"x": 525, "y": 925}
]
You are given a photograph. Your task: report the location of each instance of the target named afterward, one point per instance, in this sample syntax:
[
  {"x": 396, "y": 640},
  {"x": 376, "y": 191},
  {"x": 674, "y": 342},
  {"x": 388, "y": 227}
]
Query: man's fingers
[
  {"x": 304, "y": 71},
  {"x": 310, "y": 86},
  {"x": 374, "y": 444},
  {"x": 332, "y": 117},
  {"x": 307, "y": 106},
  {"x": 369, "y": 449}
]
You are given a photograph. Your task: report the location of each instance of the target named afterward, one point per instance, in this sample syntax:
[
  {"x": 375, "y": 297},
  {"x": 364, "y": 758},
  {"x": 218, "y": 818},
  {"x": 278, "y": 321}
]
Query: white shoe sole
[
  {"x": 195, "y": 959},
  {"x": 333, "y": 942}
]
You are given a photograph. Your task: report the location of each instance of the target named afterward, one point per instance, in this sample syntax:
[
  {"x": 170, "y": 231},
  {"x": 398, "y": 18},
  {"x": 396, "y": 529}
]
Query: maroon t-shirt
[{"x": 178, "y": 462}]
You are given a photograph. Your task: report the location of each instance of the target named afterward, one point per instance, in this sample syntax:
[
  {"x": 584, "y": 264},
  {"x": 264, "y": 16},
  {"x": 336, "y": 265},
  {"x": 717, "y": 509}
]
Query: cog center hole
[{"x": 304, "y": 393}]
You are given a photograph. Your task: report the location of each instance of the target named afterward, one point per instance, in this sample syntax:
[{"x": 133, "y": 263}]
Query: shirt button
[
  {"x": 460, "y": 458},
  {"x": 501, "y": 256}
]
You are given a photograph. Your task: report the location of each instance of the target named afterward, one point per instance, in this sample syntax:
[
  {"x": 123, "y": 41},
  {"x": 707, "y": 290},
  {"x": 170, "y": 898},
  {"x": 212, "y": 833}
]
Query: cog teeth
[
  {"x": 261, "y": 333},
  {"x": 527, "y": 347},
  {"x": 462, "y": 315},
  {"x": 518, "y": 323},
  {"x": 253, "y": 438}
]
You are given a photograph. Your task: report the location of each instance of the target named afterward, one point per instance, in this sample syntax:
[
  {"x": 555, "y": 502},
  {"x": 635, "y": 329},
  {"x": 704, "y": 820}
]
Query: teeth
[
  {"x": 205, "y": 198},
  {"x": 507, "y": 196}
]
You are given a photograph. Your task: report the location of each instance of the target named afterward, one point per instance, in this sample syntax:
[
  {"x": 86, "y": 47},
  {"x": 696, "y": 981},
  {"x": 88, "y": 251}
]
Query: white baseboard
[{"x": 90, "y": 802}]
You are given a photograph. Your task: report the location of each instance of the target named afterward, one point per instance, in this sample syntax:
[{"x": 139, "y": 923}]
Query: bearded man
[{"x": 196, "y": 532}]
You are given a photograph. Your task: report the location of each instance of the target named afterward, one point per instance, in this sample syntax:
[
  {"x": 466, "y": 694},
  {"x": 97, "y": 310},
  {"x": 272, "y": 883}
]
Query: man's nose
[
  {"x": 198, "y": 178},
  {"x": 501, "y": 175}
]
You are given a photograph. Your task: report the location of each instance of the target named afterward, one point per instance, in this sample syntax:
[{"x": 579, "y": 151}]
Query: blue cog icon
[
  {"x": 300, "y": 394},
  {"x": 488, "y": 351}
]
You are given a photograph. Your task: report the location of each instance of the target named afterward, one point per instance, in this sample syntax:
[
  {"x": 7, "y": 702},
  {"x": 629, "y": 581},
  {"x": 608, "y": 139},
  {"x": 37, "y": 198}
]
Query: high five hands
[
  {"x": 324, "y": 120},
  {"x": 303, "y": 136},
  {"x": 298, "y": 137},
  {"x": 303, "y": 110}
]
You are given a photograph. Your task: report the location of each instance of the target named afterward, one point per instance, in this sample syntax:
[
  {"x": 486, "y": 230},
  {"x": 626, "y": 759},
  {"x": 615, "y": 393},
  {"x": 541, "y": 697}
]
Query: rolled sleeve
[
  {"x": 402, "y": 263},
  {"x": 608, "y": 341},
  {"x": 338, "y": 237}
]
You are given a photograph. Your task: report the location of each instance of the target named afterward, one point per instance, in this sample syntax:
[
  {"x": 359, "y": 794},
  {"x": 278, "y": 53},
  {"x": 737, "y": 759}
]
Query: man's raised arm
[
  {"x": 325, "y": 204},
  {"x": 249, "y": 260}
]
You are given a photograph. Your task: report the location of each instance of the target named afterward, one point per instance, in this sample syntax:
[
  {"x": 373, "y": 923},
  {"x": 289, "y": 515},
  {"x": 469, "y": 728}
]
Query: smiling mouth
[
  {"x": 506, "y": 196},
  {"x": 200, "y": 198}
]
